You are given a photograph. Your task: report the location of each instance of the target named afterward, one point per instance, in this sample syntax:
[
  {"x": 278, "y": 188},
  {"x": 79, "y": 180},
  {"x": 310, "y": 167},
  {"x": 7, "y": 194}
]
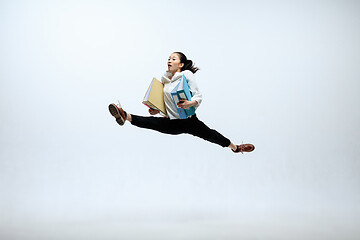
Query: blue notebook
[{"x": 182, "y": 91}]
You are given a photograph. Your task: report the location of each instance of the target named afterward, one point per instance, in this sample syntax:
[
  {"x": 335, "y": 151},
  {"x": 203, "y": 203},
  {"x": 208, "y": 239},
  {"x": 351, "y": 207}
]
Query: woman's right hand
[{"x": 153, "y": 111}]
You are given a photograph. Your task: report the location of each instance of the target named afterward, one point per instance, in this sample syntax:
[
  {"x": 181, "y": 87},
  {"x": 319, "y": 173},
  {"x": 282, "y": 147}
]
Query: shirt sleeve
[{"x": 196, "y": 94}]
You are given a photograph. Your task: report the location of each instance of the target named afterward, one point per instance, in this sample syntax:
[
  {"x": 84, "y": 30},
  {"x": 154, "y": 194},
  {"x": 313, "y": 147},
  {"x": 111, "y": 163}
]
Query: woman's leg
[
  {"x": 232, "y": 146},
  {"x": 198, "y": 128},
  {"x": 160, "y": 124},
  {"x": 128, "y": 117}
]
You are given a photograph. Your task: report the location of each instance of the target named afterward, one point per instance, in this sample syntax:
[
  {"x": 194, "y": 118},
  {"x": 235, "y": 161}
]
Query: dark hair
[{"x": 188, "y": 64}]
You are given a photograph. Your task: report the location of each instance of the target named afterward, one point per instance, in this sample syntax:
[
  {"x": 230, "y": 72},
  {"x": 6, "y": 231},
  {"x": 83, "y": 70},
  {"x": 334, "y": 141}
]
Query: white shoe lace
[{"x": 119, "y": 104}]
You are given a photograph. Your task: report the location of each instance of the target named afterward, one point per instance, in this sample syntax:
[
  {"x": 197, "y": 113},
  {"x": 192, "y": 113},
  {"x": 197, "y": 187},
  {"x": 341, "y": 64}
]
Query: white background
[{"x": 283, "y": 75}]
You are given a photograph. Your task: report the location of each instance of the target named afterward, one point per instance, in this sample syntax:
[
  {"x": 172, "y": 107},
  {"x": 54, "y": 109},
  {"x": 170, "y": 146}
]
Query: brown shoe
[
  {"x": 244, "y": 148},
  {"x": 118, "y": 113}
]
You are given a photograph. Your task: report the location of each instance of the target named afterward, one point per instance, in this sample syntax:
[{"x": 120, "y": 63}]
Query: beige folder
[{"x": 154, "y": 97}]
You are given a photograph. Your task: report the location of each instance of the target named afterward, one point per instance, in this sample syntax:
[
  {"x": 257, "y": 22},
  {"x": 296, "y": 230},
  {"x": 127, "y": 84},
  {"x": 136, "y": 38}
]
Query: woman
[{"x": 178, "y": 65}]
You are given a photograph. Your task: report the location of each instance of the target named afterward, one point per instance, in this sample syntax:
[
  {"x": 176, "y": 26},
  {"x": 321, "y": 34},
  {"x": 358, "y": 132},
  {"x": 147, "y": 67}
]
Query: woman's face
[{"x": 174, "y": 64}]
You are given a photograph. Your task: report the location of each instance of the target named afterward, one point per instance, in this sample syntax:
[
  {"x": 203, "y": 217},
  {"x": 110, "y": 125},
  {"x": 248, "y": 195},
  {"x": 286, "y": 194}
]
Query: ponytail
[{"x": 188, "y": 64}]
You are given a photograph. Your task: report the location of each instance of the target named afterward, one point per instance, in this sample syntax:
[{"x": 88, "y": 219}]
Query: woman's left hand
[{"x": 185, "y": 104}]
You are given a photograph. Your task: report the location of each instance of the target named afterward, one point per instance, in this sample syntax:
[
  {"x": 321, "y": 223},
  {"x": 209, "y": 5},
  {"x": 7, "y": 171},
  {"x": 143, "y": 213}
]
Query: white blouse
[{"x": 170, "y": 84}]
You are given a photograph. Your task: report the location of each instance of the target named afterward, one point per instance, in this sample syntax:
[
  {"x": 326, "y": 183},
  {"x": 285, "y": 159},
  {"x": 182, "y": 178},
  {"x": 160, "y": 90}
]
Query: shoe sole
[{"x": 116, "y": 114}]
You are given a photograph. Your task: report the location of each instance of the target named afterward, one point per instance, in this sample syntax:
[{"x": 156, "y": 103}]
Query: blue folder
[{"x": 182, "y": 91}]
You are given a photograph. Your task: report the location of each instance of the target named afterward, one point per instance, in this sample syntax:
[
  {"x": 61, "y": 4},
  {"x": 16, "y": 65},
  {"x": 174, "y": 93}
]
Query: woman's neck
[{"x": 173, "y": 74}]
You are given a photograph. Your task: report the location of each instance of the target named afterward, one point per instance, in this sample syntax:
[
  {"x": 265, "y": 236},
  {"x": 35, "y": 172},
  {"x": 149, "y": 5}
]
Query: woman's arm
[{"x": 196, "y": 94}]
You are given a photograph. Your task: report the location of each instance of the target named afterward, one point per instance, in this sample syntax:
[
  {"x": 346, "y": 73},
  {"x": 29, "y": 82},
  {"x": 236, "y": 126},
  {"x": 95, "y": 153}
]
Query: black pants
[{"x": 191, "y": 126}]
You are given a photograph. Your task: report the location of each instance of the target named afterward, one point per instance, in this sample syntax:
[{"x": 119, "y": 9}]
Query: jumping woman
[{"x": 178, "y": 65}]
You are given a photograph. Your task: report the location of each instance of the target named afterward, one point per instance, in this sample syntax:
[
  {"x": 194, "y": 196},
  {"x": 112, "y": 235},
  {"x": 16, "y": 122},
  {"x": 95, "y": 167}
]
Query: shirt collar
[{"x": 168, "y": 74}]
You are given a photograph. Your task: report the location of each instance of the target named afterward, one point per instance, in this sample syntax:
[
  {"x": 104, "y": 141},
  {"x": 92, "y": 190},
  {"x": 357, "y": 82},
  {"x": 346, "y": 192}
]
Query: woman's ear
[{"x": 181, "y": 65}]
